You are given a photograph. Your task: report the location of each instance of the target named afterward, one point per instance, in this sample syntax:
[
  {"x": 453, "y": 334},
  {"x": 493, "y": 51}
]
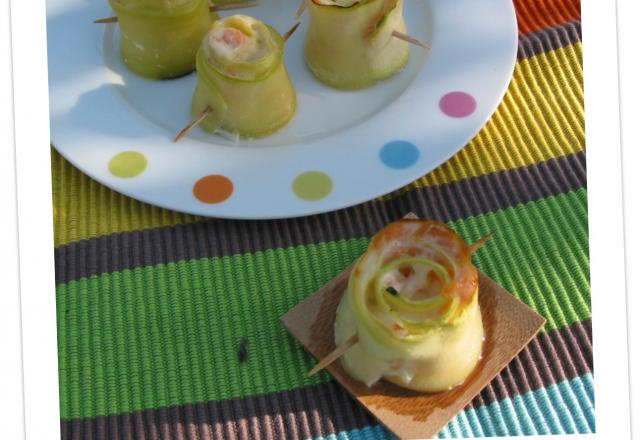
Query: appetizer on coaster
[
  {"x": 412, "y": 303},
  {"x": 159, "y": 38},
  {"x": 412, "y": 330},
  {"x": 243, "y": 86},
  {"x": 350, "y": 44}
]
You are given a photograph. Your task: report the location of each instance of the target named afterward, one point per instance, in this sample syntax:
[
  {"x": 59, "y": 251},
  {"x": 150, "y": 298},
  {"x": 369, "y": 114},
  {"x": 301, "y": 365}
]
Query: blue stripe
[{"x": 563, "y": 408}]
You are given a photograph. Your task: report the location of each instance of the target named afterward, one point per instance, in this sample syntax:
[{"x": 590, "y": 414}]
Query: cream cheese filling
[{"x": 232, "y": 42}]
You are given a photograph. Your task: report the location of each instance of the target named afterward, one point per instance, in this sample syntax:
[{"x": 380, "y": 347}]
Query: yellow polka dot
[
  {"x": 128, "y": 164},
  {"x": 313, "y": 186}
]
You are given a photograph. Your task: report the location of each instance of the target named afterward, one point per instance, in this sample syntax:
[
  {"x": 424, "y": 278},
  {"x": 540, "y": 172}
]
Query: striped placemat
[{"x": 153, "y": 306}]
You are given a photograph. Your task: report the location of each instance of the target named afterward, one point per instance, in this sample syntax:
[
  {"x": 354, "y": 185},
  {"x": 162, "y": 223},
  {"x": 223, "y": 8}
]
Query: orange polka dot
[{"x": 213, "y": 189}]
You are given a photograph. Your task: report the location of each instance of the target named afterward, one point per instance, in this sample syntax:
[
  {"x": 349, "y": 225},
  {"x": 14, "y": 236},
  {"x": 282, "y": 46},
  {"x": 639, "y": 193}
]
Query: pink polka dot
[{"x": 458, "y": 104}]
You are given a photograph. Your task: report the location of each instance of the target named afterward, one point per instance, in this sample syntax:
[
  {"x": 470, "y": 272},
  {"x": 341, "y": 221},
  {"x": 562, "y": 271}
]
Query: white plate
[{"x": 342, "y": 148}]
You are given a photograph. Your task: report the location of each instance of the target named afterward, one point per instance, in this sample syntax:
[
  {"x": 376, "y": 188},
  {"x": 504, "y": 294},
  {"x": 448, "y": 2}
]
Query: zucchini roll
[
  {"x": 242, "y": 80},
  {"x": 349, "y": 44},
  {"x": 160, "y": 38},
  {"x": 412, "y": 301}
]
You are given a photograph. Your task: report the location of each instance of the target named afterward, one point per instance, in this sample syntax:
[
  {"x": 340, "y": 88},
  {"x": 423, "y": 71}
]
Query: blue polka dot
[{"x": 399, "y": 155}]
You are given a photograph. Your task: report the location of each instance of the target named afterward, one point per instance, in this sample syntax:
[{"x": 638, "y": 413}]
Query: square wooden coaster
[{"x": 509, "y": 326}]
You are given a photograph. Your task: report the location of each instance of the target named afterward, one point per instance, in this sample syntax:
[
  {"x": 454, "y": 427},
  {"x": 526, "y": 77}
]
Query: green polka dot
[
  {"x": 128, "y": 164},
  {"x": 313, "y": 186}
]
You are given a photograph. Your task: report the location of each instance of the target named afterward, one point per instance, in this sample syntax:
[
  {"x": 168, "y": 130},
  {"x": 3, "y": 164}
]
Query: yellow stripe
[
  {"x": 83, "y": 208},
  {"x": 541, "y": 117}
]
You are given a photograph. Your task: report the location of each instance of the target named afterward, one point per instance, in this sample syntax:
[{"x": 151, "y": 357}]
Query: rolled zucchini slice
[
  {"x": 412, "y": 299},
  {"x": 159, "y": 39},
  {"x": 242, "y": 79},
  {"x": 349, "y": 43}
]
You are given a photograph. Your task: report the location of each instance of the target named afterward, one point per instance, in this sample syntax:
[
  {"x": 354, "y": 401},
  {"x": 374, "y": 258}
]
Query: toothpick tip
[
  {"x": 481, "y": 242},
  {"x": 194, "y": 123},
  {"x": 106, "y": 20},
  {"x": 334, "y": 355},
  {"x": 291, "y": 31},
  {"x": 301, "y": 9},
  {"x": 410, "y": 39}
]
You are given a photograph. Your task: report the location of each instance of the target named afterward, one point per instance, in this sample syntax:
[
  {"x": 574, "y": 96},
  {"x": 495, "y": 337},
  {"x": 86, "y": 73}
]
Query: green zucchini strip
[
  {"x": 159, "y": 39},
  {"x": 350, "y": 45},
  {"x": 243, "y": 79}
]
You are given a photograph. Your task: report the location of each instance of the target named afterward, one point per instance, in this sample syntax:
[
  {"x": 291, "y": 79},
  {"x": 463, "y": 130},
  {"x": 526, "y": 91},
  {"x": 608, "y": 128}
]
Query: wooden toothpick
[
  {"x": 475, "y": 247},
  {"x": 301, "y": 9},
  {"x": 107, "y": 20},
  {"x": 334, "y": 355},
  {"x": 212, "y": 8},
  {"x": 193, "y": 124},
  {"x": 291, "y": 31},
  {"x": 410, "y": 39}
]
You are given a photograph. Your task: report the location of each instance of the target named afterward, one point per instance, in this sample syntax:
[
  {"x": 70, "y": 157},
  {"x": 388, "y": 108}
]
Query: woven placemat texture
[{"x": 168, "y": 324}]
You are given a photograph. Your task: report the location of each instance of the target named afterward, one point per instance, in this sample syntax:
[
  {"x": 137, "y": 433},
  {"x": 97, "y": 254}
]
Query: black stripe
[
  {"x": 546, "y": 40},
  {"x": 216, "y": 238},
  {"x": 326, "y": 409}
]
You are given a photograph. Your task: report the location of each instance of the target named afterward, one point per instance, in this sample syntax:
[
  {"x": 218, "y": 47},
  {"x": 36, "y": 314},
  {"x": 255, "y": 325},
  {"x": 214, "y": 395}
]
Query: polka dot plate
[{"x": 342, "y": 148}]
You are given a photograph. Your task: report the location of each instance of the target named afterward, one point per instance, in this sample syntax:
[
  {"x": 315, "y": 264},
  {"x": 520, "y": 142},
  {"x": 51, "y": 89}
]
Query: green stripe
[
  {"x": 540, "y": 254},
  {"x": 168, "y": 334}
]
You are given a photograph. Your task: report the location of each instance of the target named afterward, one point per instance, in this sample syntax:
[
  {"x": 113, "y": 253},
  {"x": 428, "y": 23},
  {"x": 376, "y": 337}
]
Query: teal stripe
[{"x": 563, "y": 408}]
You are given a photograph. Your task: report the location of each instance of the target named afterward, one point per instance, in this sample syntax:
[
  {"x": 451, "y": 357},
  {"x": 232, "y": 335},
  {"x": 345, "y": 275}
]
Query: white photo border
[
  {"x": 11, "y": 398},
  {"x": 628, "y": 40},
  {"x": 606, "y": 237},
  {"x": 36, "y": 220}
]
